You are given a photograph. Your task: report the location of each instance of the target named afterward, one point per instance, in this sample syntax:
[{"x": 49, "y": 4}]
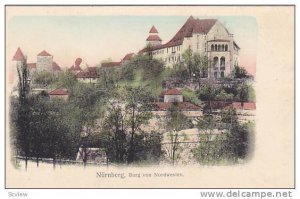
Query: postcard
[{"x": 150, "y": 96}]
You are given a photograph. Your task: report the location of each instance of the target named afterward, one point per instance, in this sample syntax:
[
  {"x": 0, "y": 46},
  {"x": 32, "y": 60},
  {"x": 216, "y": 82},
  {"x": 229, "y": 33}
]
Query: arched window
[
  {"x": 222, "y": 47},
  {"x": 222, "y": 63},
  {"x": 219, "y": 47},
  {"x": 226, "y": 47},
  {"x": 212, "y": 48},
  {"x": 216, "y": 47},
  {"x": 222, "y": 74},
  {"x": 216, "y": 74},
  {"x": 216, "y": 62}
]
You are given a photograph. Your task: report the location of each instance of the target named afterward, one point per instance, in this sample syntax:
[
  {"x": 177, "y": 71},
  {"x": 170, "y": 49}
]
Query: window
[
  {"x": 226, "y": 47},
  {"x": 222, "y": 74},
  {"x": 216, "y": 47},
  {"x": 223, "y": 47},
  {"x": 216, "y": 74},
  {"x": 222, "y": 62},
  {"x": 219, "y": 47},
  {"x": 215, "y": 62},
  {"x": 212, "y": 48}
]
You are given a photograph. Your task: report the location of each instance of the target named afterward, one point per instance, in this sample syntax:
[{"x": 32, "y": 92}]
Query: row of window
[
  {"x": 219, "y": 47},
  {"x": 222, "y": 74},
  {"x": 173, "y": 59},
  {"x": 216, "y": 62}
]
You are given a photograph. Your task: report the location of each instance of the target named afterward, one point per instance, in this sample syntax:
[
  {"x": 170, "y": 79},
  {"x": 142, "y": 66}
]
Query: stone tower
[
  {"x": 153, "y": 38},
  {"x": 44, "y": 62}
]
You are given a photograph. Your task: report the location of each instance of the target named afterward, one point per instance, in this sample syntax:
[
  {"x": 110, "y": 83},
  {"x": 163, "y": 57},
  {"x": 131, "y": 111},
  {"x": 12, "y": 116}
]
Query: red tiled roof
[
  {"x": 234, "y": 105},
  {"x": 128, "y": 57},
  {"x": 153, "y": 38},
  {"x": 153, "y": 30},
  {"x": 172, "y": 91},
  {"x": 59, "y": 91},
  {"x": 18, "y": 55},
  {"x": 247, "y": 105},
  {"x": 182, "y": 106},
  {"x": 91, "y": 69},
  {"x": 87, "y": 74},
  {"x": 111, "y": 64},
  {"x": 44, "y": 53},
  {"x": 75, "y": 68},
  {"x": 31, "y": 66},
  {"x": 56, "y": 67},
  {"x": 191, "y": 26}
]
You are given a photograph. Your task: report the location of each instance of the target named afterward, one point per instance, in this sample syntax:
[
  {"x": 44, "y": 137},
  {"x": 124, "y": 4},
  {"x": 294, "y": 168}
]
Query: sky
[{"x": 98, "y": 38}]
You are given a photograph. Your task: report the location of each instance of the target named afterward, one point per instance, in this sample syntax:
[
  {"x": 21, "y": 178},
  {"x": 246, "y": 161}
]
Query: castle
[{"x": 207, "y": 37}]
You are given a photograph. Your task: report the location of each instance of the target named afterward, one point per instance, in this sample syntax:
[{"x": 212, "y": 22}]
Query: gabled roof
[
  {"x": 44, "y": 53},
  {"x": 172, "y": 91},
  {"x": 153, "y": 30},
  {"x": 128, "y": 57},
  {"x": 87, "y": 74},
  {"x": 191, "y": 26},
  {"x": 246, "y": 106},
  {"x": 182, "y": 106},
  {"x": 153, "y": 38},
  {"x": 201, "y": 26},
  {"x": 56, "y": 67},
  {"x": 75, "y": 68},
  {"x": 111, "y": 64},
  {"x": 59, "y": 91},
  {"x": 31, "y": 66},
  {"x": 18, "y": 55}
]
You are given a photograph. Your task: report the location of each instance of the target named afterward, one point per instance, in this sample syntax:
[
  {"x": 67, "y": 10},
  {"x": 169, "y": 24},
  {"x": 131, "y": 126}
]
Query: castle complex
[{"x": 204, "y": 36}]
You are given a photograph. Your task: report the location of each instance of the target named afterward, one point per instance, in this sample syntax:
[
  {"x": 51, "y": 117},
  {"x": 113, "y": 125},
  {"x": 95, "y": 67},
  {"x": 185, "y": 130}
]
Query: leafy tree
[
  {"x": 240, "y": 72},
  {"x": 23, "y": 134},
  {"x": 137, "y": 105},
  {"x": 44, "y": 78},
  {"x": 175, "y": 122},
  {"x": 66, "y": 80}
]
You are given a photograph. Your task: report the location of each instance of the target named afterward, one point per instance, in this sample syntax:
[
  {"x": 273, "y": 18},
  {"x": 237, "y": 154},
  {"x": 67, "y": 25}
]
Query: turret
[{"x": 153, "y": 38}]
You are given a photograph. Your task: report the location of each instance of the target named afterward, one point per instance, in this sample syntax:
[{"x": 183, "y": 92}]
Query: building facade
[{"x": 207, "y": 37}]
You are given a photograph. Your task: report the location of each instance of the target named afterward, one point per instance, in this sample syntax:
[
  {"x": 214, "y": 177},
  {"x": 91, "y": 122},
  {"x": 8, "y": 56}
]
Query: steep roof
[
  {"x": 153, "y": 38},
  {"x": 110, "y": 64},
  {"x": 56, "y": 67},
  {"x": 31, "y": 66},
  {"x": 128, "y": 57},
  {"x": 87, "y": 74},
  {"x": 153, "y": 30},
  {"x": 172, "y": 91},
  {"x": 18, "y": 55},
  {"x": 75, "y": 68},
  {"x": 191, "y": 26},
  {"x": 44, "y": 53},
  {"x": 59, "y": 91},
  {"x": 182, "y": 106}
]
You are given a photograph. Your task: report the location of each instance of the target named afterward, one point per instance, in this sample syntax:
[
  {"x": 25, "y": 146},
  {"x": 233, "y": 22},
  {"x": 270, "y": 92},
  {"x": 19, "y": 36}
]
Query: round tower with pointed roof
[
  {"x": 18, "y": 58},
  {"x": 153, "y": 38}
]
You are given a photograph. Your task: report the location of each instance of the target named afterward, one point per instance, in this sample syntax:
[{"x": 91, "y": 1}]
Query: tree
[
  {"x": 44, "y": 78},
  {"x": 137, "y": 105},
  {"x": 175, "y": 122},
  {"x": 243, "y": 93},
  {"x": 23, "y": 135},
  {"x": 188, "y": 60},
  {"x": 240, "y": 72},
  {"x": 66, "y": 80}
]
